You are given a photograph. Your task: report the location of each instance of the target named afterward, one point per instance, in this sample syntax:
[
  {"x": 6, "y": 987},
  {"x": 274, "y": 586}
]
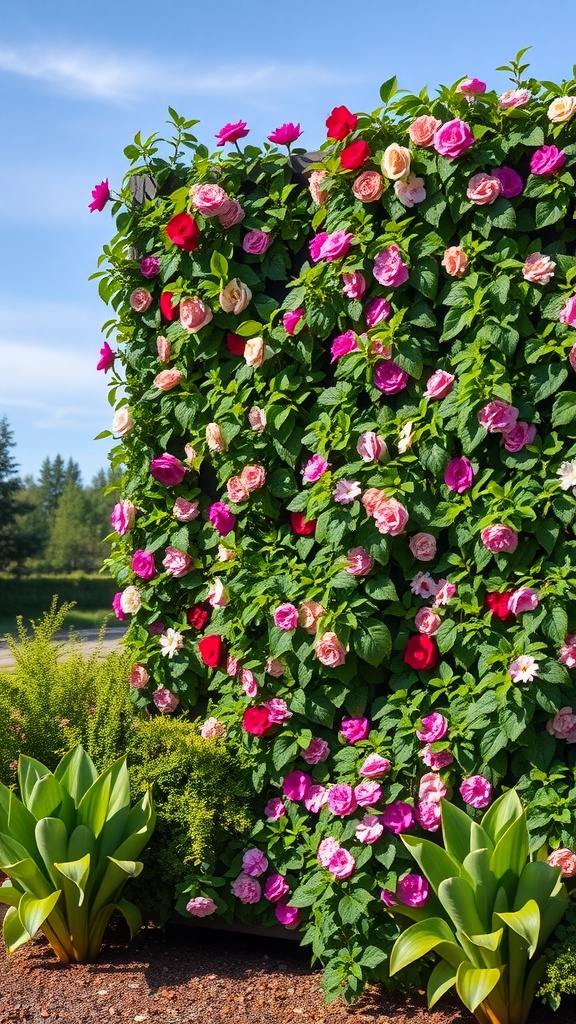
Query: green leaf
[
  {"x": 434, "y": 861},
  {"x": 249, "y": 329},
  {"x": 474, "y": 984},
  {"x": 456, "y": 829},
  {"x": 33, "y": 912},
  {"x": 29, "y": 772},
  {"x": 76, "y": 773},
  {"x": 77, "y": 873},
  {"x": 418, "y": 940},
  {"x": 284, "y": 750},
  {"x": 442, "y": 979},
  {"x": 525, "y": 922},
  {"x": 457, "y": 897},
  {"x": 511, "y": 851},
  {"x": 13, "y": 931},
  {"x": 372, "y": 957},
  {"x": 555, "y": 624},
  {"x": 502, "y": 813},
  {"x": 388, "y": 88},
  {"x": 373, "y": 642},
  {"x": 564, "y": 409},
  {"x": 549, "y": 211},
  {"x": 353, "y": 906},
  {"x": 219, "y": 265},
  {"x": 52, "y": 842}
]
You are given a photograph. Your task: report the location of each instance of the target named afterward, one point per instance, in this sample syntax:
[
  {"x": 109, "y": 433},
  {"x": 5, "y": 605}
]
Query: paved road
[{"x": 112, "y": 638}]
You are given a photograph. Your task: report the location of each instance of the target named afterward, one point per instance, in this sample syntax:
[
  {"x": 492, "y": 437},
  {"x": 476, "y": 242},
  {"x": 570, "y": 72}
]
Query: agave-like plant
[
  {"x": 68, "y": 848},
  {"x": 490, "y": 917}
]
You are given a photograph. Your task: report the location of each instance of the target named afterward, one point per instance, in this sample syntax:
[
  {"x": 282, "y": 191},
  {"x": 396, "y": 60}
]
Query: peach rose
[
  {"x": 308, "y": 615},
  {"x": 237, "y": 491},
  {"x": 167, "y": 379},
  {"x": 390, "y": 517},
  {"x": 562, "y": 109},
  {"x": 329, "y": 650},
  {"x": 410, "y": 191},
  {"x": 194, "y": 314},
  {"x": 255, "y": 352},
  {"x": 253, "y": 477},
  {"x": 235, "y": 297},
  {"x": 538, "y": 269},
  {"x": 368, "y": 187},
  {"x": 163, "y": 347},
  {"x": 565, "y": 860},
  {"x": 314, "y": 182},
  {"x": 215, "y": 438},
  {"x": 396, "y": 162},
  {"x": 455, "y": 261},
  {"x": 421, "y": 131},
  {"x": 122, "y": 421},
  {"x": 483, "y": 189},
  {"x": 371, "y": 499}
]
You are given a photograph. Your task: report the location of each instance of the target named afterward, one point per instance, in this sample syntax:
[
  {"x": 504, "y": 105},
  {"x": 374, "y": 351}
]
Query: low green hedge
[{"x": 30, "y": 595}]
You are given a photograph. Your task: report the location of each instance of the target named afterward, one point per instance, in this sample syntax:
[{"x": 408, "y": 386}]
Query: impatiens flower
[
  {"x": 212, "y": 651},
  {"x": 355, "y": 729},
  {"x": 122, "y": 421},
  {"x": 374, "y": 766},
  {"x": 513, "y": 98},
  {"x": 360, "y": 562},
  {"x": 471, "y": 87},
  {"x": 341, "y": 800},
  {"x": 538, "y": 269},
  {"x": 217, "y": 595},
  {"x": 308, "y": 615},
  {"x": 319, "y": 195},
  {"x": 459, "y": 475},
  {"x": 435, "y": 760},
  {"x": 568, "y": 313},
  {"x": 369, "y": 829},
  {"x": 343, "y": 344},
  {"x": 340, "y": 123},
  {"x": 483, "y": 189},
  {"x": 413, "y": 890},
  {"x": 499, "y": 539},
  {"x": 176, "y": 563},
  {"x": 164, "y": 699},
  {"x": 185, "y": 511},
  {"x": 167, "y": 469},
  {"x": 231, "y": 133},
  {"x": 138, "y": 676},
  {"x": 368, "y": 187},
  {"x": 423, "y": 546},
  {"x": 100, "y": 196},
  {"x": 201, "y": 906},
  {"x": 453, "y": 138},
  {"x": 194, "y": 314},
  {"x": 567, "y": 474},
  {"x": 209, "y": 199},
  {"x": 314, "y": 469},
  {"x": 390, "y": 517},
  {"x": 411, "y": 191},
  {"x": 389, "y": 270},
  {"x": 168, "y": 379},
  {"x": 563, "y": 725},
  {"x": 130, "y": 601},
  {"x": 250, "y": 688},
  {"x": 519, "y": 436},
  {"x": 274, "y": 809},
  {"x": 427, "y": 621},
  {"x": 368, "y": 793},
  {"x": 354, "y": 155},
  {"x": 257, "y": 722},
  {"x": 143, "y": 564},
  {"x": 428, "y": 815},
  {"x": 254, "y": 863},
  {"x": 431, "y": 788},
  {"x": 353, "y": 285},
  {"x": 170, "y": 313},
  {"x": 275, "y": 888},
  {"x": 257, "y": 419},
  {"x": 291, "y": 319},
  {"x": 498, "y": 416},
  {"x": 423, "y": 585},
  {"x": 565, "y": 860},
  {"x": 330, "y": 247},
  {"x": 171, "y": 642},
  {"x": 231, "y": 214},
  {"x": 388, "y": 898},
  {"x": 547, "y": 160},
  {"x": 235, "y": 297},
  {"x": 422, "y": 653},
  {"x": 123, "y": 517},
  {"x": 107, "y": 357},
  {"x": 525, "y": 599},
  {"x": 444, "y": 593},
  {"x": 434, "y": 728},
  {"x": 346, "y": 491},
  {"x": 376, "y": 312},
  {"x": 455, "y": 261},
  {"x": 390, "y": 378},
  {"x": 301, "y": 525},
  {"x": 476, "y": 791},
  {"x": 398, "y": 817},
  {"x": 256, "y": 242},
  {"x": 286, "y": 134},
  {"x": 184, "y": 232},
  {"x": 567, "y": 653},
  {"x": 326, "y": 850},
  {"x": 287, "y": 915},
  {"x": 253, "y": 477},
  {"x": 523, "y": 669}
]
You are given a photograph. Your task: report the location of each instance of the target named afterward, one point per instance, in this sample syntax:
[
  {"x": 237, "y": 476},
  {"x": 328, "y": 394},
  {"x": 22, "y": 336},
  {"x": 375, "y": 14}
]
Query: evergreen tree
[{"x": 16, "y": 542}]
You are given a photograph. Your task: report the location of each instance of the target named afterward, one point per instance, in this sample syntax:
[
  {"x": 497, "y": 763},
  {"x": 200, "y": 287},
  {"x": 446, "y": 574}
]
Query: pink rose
[
  {"x": 286, "y": 616},
  {"x": 288, "y": 916},
  {"x": 435, "y": 760},
  {"x": 398, "y": 817},
  {"x": 208, "y": 199},
  {"x": 330, "y": 247},
  {"x": 314, "y": 469},
  {"x": 360, "y": 562},
  {"x": 453, "y": 138},
  {"x": 367, "y": 793},
  {"x": 165, "y": 701},
  {"x": 368, "y": 187},
  {"x": 212, "y": 729},
  {"x": 390, "y": 378},
  {"x": 107, "y": 357},
  {"x": 201, "y": 906},
  {"x": 246, "y": 889},
  {"x": 275, "y": 888},
  {"x": 185, "y": 511},
  {"x": 568, "y": 313},
  {"x": 423, "y": 585},
  {"x": 389, "y": 270},
  {"x": 329, "y": 650},
  {"x": 423, "y": 546},
  {"x": 513, "y": 98},
  {"x": 374, "y": 766},
  {"x": 140, "y": 300},
  {"x": 369, "y": 829},
  {"x": 547, "y": 160},
  {"x": 138, "y": 677},
  {"x": 471, "y": 87},
  {"x": 231, "y": 214},
  {"x": 431, "y": 788},
  {"x": 519, "y": 436},
  {"x": 444, "y": 593},
  {"x": 143, "y": 564},
  {"x": 423, "y": 129},
  {"x": 371, "y": 499},
  {"x": 341, "y": 800},
  {"x": 315, "y": 180},
  {"x": 511, "y": 184},
  {"x": 565, "y": 860},
  {"x": 354, "y": 285},
  {"x": 390, "y": 517},
  {"x": 567, "y": 653},
  {"x": 231, "y": 133},
  {"x": 274, "y": 809},
  {"x": 250, "y": 687},
  {"x": 326, "y": 850},
  {"x": 176, "y": 563},
  {"x": 455, "y": 261},
  {"x": 498, "y": 416},
  {"x": 256, "y": 242},
  {"x": 254, "y": 863},
  {"x": 316, "y": 751},
  {"x": 194, "y": 314},
  {"x": 221, "y": 517},
  {"x": 427, "y": 622},
  {"x": 459, "y": 475},
  {"x": 483, "y": 189},
  {"x": 413, "y": 890},
  {"x": 253, "y": 477},
  {"x": 476, "y": 791},
  {"x": 343, "y": 344},
  {"x": 499, "y": 538},
  {"x": 355, "y": 729},
  {"x": 439, "y": 384},
  {"x": 376, "y": 312},
  {"x": 167, "y": 469},
  {"x": 525, "y": 599},
  {"x": 429, "y": 815},
  {"x": 236, "y": 490},
  {"x": 100, "y": 196},
  {"x": 168, "y": 379},
  {"x": 434, "y": 728},
  {"x": 538, "y": 269},
  {"x": 563, "y": 725},
  {"x": 278, "y": 709},
  {"x": 257, "y": 419},
  {"x": 123, "y": 517},
  {"x": 286, "y": 134},
  {"x": 411, "y": 191},
  {"x": 295, "y": 785},
  {"x": 291, "y": 319},
  {"x": 342, "y": 864},
  {"x": 370, "y": 447},
  {"x": 310, "y": 612}
]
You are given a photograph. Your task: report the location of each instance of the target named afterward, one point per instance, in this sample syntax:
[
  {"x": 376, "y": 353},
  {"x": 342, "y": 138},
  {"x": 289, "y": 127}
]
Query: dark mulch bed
[{"x": 186, "y": 974}]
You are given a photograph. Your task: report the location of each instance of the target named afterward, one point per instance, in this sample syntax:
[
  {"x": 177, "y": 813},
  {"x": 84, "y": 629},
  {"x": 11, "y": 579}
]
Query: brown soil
[{"x": 185, "y": 974}]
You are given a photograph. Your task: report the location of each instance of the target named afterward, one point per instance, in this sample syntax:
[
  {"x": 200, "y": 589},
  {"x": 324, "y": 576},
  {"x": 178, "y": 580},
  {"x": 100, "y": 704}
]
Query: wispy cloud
[{"x": 122, "y": 77}]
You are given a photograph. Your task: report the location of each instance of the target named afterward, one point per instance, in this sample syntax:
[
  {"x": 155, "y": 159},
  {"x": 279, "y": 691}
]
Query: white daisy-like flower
[
  {"x": 524, "y": 669},
  {"x": 567, "y": 474},
  {"x": 171, "y": 642}
]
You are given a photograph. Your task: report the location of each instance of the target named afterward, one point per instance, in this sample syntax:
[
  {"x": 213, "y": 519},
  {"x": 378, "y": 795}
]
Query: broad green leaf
[
  {"x": 543, "y": 883},
  {"x": 526, "y": 923},
  {"x": 82, "y": 841},
  {"x": 476, "y": 870},
  {"x": 29, "y": 772},
  {"x": 436, "y": 864},
  {"x": 418, "y": 940},
  {"x": 13, "y": 931},
  {"x": 45, "y": 798},
  {"x": 117, "y": 874},
  {"x": 138, "y": 829},
  {"x": 511, "y": 852},
  {"x": 27, "y": 874},
  {"x": 52, "y": 842},
  {"x": 456, "y": 827},
  {"x": 33, "y": 912},
  {"x": 15, "y": 819},
  {"x": 474, "y": 984},
  {"x": 93, "y": 807},
  {"x": 219, "y": 265},
  {"x": 442, "y": 979},
  {"x": 10, "y": 896},
  {"x": 373, "y": 642},
  {"x": 457, "y": 898},
  {"x": 76, "y": 872},
  {"x": 489, "y": 940},
  {"x": 76, "y": 773},
  {"x": 498, "y": 818}
]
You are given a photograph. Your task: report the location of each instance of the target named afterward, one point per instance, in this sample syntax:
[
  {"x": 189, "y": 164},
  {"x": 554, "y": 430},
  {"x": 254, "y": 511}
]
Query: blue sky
[{"x": 77, "y": 81}]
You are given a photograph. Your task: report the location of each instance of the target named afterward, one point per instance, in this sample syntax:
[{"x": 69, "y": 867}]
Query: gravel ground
[{"x": 185, "y": 974}]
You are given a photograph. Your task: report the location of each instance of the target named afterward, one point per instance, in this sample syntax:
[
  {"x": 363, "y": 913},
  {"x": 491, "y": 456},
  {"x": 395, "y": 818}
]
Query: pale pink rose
[
  {"x": 140, "y": 300},
  {"x": 567, "y": 653},
  {"x": 122, "y": 421},
  {"x": 342, "y": 864},
  {"x": 256, "y": 242},
  {"x": 232, "y": 666},
  {"x": 246, "y": 889},
  {"x": 360, "y": 562},
  {"x": 368, "y": 187},
  {"x": 525, "y": 599},
  {"x": 413, "y": 890},
  {"x": 130, "y": 600},
  {"x": 194, "y": 314},
  {"x": 390, "y": 517},
  {"x": 163, "y": 348},
  {"x": 369, "y": 829},
  {"x": 274, "y": 668},
  {"x": 398, "y": 817},
  {"x": 519, "y": 436},
  {"x": 523, "y": 669},
  {"x": 476, "y": 791},
  {"x": 563, "y": 725},
  {"x": 389, "y": 270},
  {"x": 435, "y": 760},
  {"x": 257, "y": 419},
  {"x": 231, "y": 214},
  {"x": 185, "y": 511},
  {"x": 427, "y": 622},
  {"x": 423, "y": 546},
  {"x": 138, "y": 677},
  {"x": 217, "y": 595},
  {"x": 499, "y": 538},
  {"x": 371, "y": 447},
  {"x": 212, "y": 729},
  {"x": 444, "y": 593},
  {"x": 316, "y": 751},
  {"x": 275, "y": 888},
  {"x": 434, "y": 728},
  {"x": 326, "y": 851},
  {"x": 431, "y": 788},
  {"x": 208, "y": 199},
  {"x": 310, "y": 612},
  {"x": 201, "y": 906},
  {"x": 235, "y": 297},
  {"x": 329, "y": 650},
  {"x": 354, "y": 285},
  {"x": 190, "y": 453},
  {"x": 367, "y": 793},
  {"x": 396, "y": 162},
  {"x": 176, "y": 563},
  {"x": 314, "y": 798},
  {"x": 483, "y": 189},
  {"x": 355, "y": 729},
  {"x": 411, "y": 191},
  {"x": 422, "y": 130},
  {"x": 255, "y": 352},
  {"x": 249, "y": 683},
  {"x": 439, "y": 384},
  {"x": 374, "y": 766},
  {"x": 253, "y": 477},
  {"x": 165, "y": 701},
  {"x": 254, "y": 863},
  {"x": 314, "y": 469},
  {"x": 314, "y": 186},
  {"x": 429, "y": 815},
  {"x": 123, "y": 517},
  {"x": 452, "y": 138},
  {"x": 455, "y": 261},
  {"x": 568, "y": 313},
  {"x": 274, "y": 809},
  {"x": 423, "y": 585},
  {"x": 278, "y": 710},
  {"x": 498, "y": 416},
  {"x": 346, "y": 491},
  {"x": 295, "y": 785},
  {"x": 215, "y": 438},
  {"x": 565, "y": 860},
  {"x": 236, "y": 490},
  {"x": 513, "y": 98},
  {"x": 538, "y": 269},
  {"x": 285, "y": 616},
  {"x": 562, "y": 109}
]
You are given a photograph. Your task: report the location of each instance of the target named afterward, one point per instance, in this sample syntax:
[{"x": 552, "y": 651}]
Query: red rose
[
  {"x": 212, "y": 650},
  {"x": 169, "y": 312},
  {"x": 183, "y": 231},
  {"x": 198, "y": 616},
  {"x": 340, "y": 123},
  {"x": 302, "y": 526},
  {"x": 235, "y": 344},
  {"x": 498, "y": 605},
  {"x": 354, "y": 155},
  {"x": 422, "y": 652},
  {"x": 257, "y": 721}
]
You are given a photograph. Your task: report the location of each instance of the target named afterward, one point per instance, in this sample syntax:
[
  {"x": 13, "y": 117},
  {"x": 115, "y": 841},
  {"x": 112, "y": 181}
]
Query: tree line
[{"x": 53, "y": 523}]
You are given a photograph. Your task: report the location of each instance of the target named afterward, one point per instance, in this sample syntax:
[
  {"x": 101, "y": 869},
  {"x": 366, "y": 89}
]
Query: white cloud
[{"x": 123, "y": 77}]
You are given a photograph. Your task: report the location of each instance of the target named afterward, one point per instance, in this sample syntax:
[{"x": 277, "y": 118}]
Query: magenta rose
[
  {"x": 369, "y": 829},
  {"x": 232, "y": 132},
  {"x": 374, "y": 766},
  {"x": 330, "y": 247},
  {"x": 254, "y": 863},
  {"x": 274, "y": 809},
  {"x": 367, "y": 793},
  {"x": 355, "y": 729},
  {"x": 459, "y": 475},
  {"x": 314, "y": 469},
  {"x": 286, "y": 134},
  {"x": 150, "y": 266},
  {"x": 353, "y": 285},
  {"x": 511, "y": 184},
  {"x": 291, "y": 319},
  {"x": 343, "y": 344},
  {"x": 389, "y": 270},
  {"x": 476, "y": 791},
  {"x": 288, "y": 916},
  {"x": 167, "y": 469},
  {"x": 428, "y": 814},
  {"x": 398, "y": 817},
  {"x": 413, "y": 890},
  {"x": 547, "y": 160},
  {"x": 123, "y": 517},
  {"x": 316, "y": 751},
  {"x": 360, "y": 562},
  {"x": 143, "y": 565},
  {"x": 285, "y": 616},
  {"x": 295, "y": 785},
  {"x": 519, "y": 436},
  {"x": 222, "y": 518},
  {"x": 568, "y": 314},
  {"x": 341, "y": 800},
  {"x": 453, "y": 138},
  {"x": 435, "y": 759},
  {"x": 376, "y": 312},
  {"x": 100, "y": 196},
  {"x": 434, "y": 727},
  {"x": 499, "y": 539},
  {"x": 390, "y": 378},
  {"x": 277, "y": 707},
  {"x": 471, "y": 87},
  {"x": 275, "y": 888},
  {"x": 498, "y": 416},
  {"x": 342, "y": 864}
]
